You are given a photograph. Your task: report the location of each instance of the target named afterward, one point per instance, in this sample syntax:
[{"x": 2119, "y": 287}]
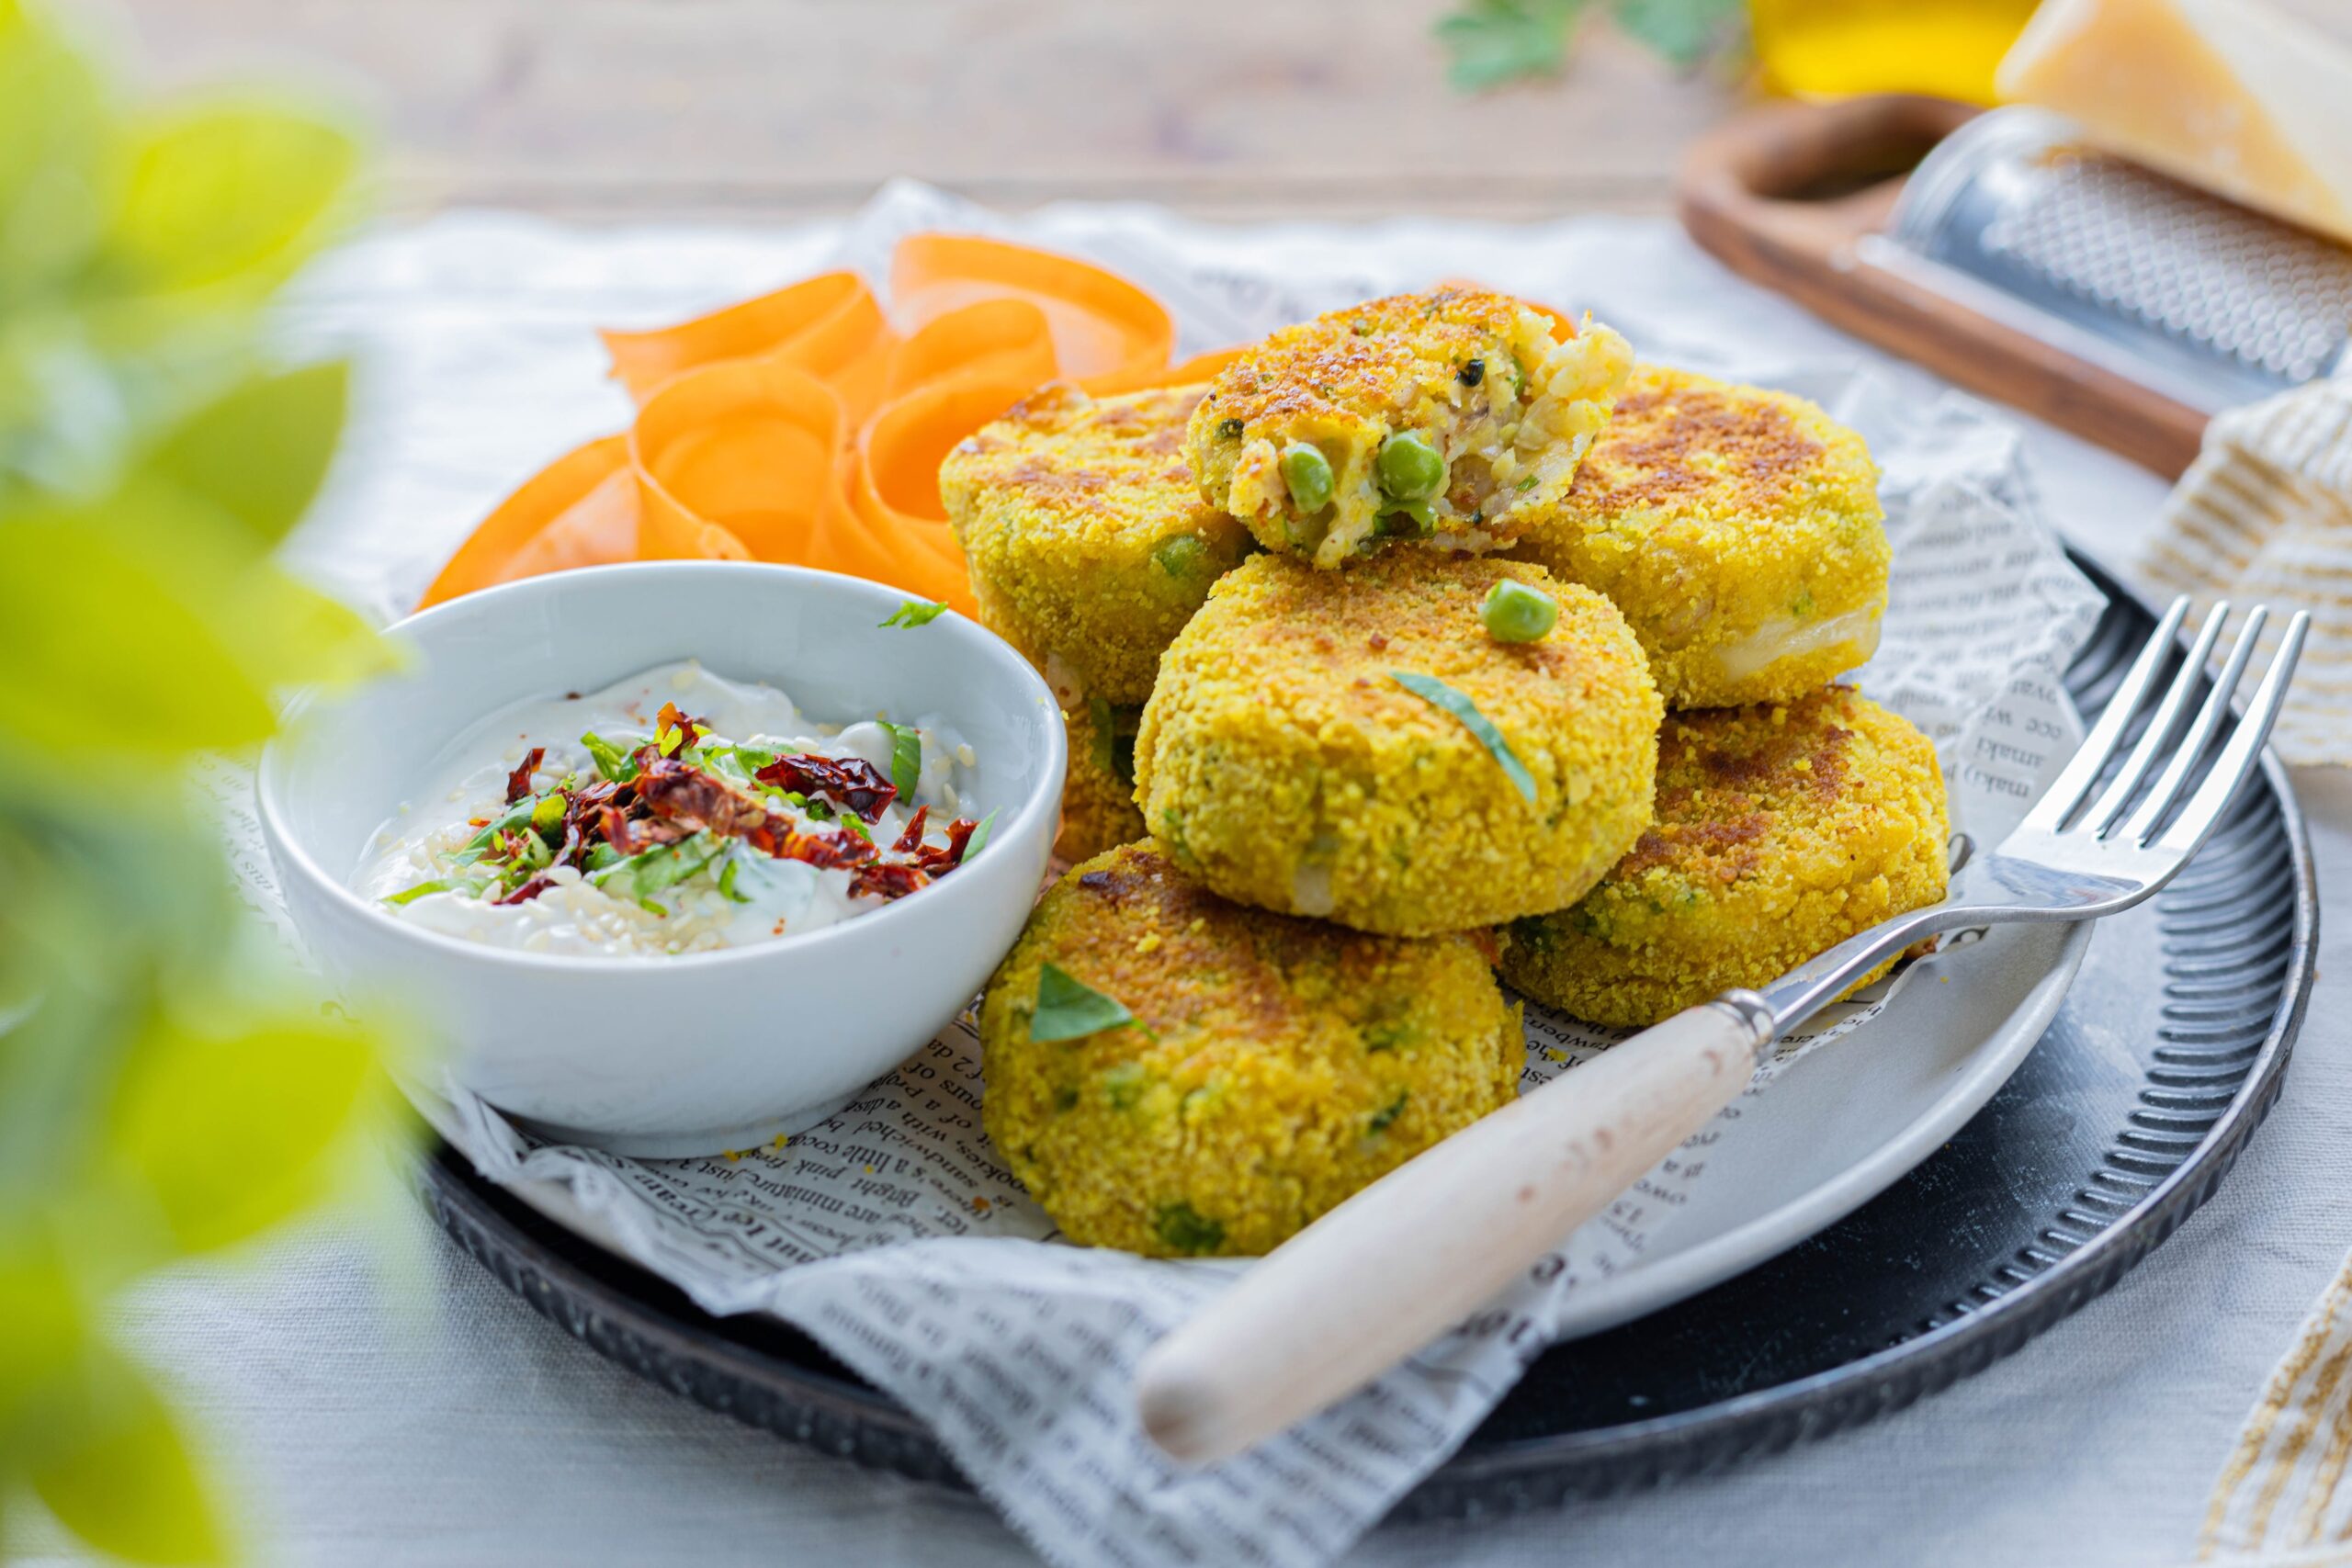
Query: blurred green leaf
[
  {"x": 122, "y": 1478},
  {"x": 228, "y": 193},
  {"x": 260, "y": 452},
  {"x": 56, "y": 185},
  {"x": 1493, "y": 42},
  {"x": 44, "y": 1317},
  {"x": 152, "y": 623},
  {"x": 234, "y": 1133},
  {"x": 97, "y": 631},
  {"x": 1684, "y": 32}
]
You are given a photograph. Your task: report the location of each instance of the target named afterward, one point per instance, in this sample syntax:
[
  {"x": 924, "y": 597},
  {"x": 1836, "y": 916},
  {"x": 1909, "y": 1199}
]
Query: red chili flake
[
  {"x": 948, "y": 856},
  {"x": 681, "y": 793},
  {"x": 823, "y": 847},
  {"x": 518, "y": 782},
  {"x": 528, "y": 891},
  {"x": 690, "y": 730},
  {"x": 630, "y": 837},
  {"x": 912, "y": 838},
  {"x": 891, "y": 879},
  {"x": 851, "y": 782}
]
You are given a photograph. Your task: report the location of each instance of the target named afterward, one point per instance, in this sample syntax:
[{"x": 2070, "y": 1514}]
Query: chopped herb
[
  {"x": 479, "y": 845},
  {"x": 547, "y": 817},
  {"x": 1186, "y": 1229},
  {"x": 856, "y": 824},
  {"x": 468, "y": 886},
  {"x": 727, "y": 881},
  {"x": 1114, "y": 739},
  {"x": 905, "y": 757},
  {"x": 1442, "y": 695},
  {"x": 916, "y": 613},
  {"x": 979, "y": 837},
  {"x": 642, "y": 876},
  {"x": 1389, "y": 1113},
  {"x": 602, "y": 855},
  {"x": 1125, "y": 1084},
  {"x": 1068, "y": 1008},
  {"x": 612, "y": 760},
  {"x": 1530, "y": 483}
]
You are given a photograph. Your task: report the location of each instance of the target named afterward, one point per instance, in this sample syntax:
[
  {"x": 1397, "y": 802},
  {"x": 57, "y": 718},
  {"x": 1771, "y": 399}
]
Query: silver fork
[{"x": 1429, "y": 1243}]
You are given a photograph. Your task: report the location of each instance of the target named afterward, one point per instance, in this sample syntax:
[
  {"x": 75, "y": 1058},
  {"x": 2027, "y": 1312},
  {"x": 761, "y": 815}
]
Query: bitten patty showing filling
[{"x": 1454, "y": 417}]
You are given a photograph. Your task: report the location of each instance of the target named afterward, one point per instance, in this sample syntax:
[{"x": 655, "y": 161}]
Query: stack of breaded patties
[{"x": 1431, "y": 708}]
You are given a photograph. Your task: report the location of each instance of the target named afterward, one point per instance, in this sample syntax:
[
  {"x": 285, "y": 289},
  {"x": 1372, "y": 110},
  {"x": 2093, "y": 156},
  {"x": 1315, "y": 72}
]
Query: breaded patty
[
  {"x": 1276, "y": 1065},
  {"x": 1737, "y": 528},
  {"x": 1099, "y": 792},
  {"x": 1502, "y": 408},
  {"x": 1085, "y": 536},
  {"x": 1781, "y": 831},
  {"x": 1283, "y": 762}
]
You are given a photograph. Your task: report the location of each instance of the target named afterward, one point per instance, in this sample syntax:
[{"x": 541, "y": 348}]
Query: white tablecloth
[{"x": 376, "y": 1397}]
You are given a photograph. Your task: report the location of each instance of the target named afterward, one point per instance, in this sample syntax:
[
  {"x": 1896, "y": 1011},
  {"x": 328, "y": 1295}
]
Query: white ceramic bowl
[{"x": 701, "y": 1051}]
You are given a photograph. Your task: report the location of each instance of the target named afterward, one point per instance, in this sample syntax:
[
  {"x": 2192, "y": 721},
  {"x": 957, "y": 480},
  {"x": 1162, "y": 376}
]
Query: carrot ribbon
[{"x": 808, "y": 424}]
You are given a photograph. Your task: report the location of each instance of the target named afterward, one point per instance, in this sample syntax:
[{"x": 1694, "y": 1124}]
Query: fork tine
[
  {"x": 2076, "y": 779},
  {"x": 2174, "y": 777},
  {"x": 2238, "y": 759},
  {"x": 2167, "y": 717}
]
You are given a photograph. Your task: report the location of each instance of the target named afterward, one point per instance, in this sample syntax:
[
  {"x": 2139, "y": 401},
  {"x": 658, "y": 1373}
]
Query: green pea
[
  {"x": 1308, "y": 474},
  {"x": 1516, "y": 613},
  {"x": 1410, "y": 469},
  {"x": 1180, "y": 557},
  {"x": 1405, "y": 520}
]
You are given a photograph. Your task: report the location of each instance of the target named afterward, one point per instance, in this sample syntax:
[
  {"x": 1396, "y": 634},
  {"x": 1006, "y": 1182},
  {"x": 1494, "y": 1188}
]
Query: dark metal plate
[{"x": 2123, "y": 1119}]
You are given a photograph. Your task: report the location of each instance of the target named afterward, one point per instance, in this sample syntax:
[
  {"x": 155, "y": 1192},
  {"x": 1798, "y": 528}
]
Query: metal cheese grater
[{"x": 2200, "y": 299}]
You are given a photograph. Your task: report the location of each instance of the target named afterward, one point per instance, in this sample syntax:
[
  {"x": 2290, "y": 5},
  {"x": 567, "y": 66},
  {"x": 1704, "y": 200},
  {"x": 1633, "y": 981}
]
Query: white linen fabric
[{"x": 463, "y": 1429}]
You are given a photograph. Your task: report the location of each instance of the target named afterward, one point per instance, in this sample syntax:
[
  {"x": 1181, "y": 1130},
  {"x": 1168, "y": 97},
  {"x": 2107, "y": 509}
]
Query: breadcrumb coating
[
  {"x": 1277, "y": 1066},
  {"x": 1084, "y": 533},
  {"x": 1099, "y": 809},
  {"x": 1282, "y": 762},
  {"x": 1737, "y": 528},
  {"x": 1781, "y": 831},
  {"x": 1480, "y": 376}
]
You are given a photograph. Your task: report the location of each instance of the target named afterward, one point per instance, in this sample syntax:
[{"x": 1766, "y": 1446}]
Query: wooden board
[{"x": 620, "y": 109}]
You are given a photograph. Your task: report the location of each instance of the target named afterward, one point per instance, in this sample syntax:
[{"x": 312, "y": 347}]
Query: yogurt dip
[{"x": 672, "y": 812}]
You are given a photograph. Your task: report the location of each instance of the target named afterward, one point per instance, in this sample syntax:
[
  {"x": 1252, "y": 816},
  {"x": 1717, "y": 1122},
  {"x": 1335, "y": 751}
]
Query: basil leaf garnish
[
  {"x": 980, "y": 837},
  {"x": 1430, "y": 690},
  {"x": 1068, "y": 1008},
  {"x": 906, "y": 757}
]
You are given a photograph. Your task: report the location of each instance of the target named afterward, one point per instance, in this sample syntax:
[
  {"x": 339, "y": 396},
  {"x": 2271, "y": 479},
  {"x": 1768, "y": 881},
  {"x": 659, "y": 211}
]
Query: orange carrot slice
[
  {"x": 580, "y": 510},
  {"x": 1106, "y": 331},
  {"x": 745, "y": 447},
  {"x": 827, "y": 325}
]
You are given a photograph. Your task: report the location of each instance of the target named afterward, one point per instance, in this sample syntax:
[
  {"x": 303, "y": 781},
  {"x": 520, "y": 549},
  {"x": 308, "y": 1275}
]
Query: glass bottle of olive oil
[{"x": 1831, "y": 48}]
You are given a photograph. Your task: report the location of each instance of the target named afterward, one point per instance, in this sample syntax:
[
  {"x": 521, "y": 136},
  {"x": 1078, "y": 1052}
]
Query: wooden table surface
[{"x": 1252, "y": 109}]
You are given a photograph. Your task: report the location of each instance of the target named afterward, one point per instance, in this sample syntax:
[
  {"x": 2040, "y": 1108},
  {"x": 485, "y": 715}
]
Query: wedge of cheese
[{"x": 2224, "y": 94}]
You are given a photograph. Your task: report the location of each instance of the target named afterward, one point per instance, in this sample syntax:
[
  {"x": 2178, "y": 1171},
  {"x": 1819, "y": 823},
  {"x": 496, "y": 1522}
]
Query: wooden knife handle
[{"x": 1418, "y": 1250}]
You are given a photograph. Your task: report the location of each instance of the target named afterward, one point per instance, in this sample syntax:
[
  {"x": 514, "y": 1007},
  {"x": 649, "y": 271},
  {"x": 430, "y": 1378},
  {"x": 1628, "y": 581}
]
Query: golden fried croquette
[
  {"x": 1283, "y": 763},
  {"x": 1098, "y": 791},
  {"x": 1456, "y": 416},
  {"x": 1737, "y": 528},
  {"x": 1274, "y": 1066},
  {"x": 1084, "y": 533},
  {"x": 1781, "y": 831}
]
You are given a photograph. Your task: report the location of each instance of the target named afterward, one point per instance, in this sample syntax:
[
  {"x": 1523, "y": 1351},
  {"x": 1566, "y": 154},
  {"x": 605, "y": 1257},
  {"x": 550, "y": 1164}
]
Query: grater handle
[{"x": 1786, "y": 195}]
